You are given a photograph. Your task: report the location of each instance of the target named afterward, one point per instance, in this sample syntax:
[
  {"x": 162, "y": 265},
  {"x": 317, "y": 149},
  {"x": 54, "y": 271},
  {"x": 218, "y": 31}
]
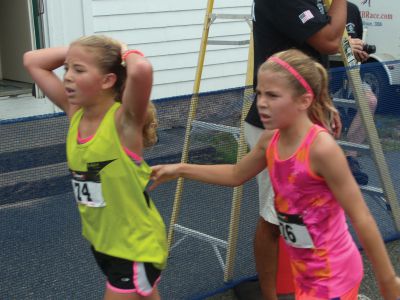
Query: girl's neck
[
  {"x": 294, "y": 133},
  {"x": 92, "y": 117},
  {"x": 98, "y": 110},
  {"x": 291, "y": 138}
]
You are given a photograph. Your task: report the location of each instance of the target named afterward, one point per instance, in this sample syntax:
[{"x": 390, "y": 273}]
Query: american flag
[{"x": 305, "y": 16}]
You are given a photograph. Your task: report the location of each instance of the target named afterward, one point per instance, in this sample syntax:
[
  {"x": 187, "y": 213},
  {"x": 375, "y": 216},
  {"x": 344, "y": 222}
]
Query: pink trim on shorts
[
  {"x": 137, "y": 289},
  {"x": 120, "y": 291},
  {"x": 136, "y": 281}
]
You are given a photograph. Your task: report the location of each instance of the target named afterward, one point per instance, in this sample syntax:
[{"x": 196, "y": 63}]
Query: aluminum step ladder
[{"x": 217, "y": 244}]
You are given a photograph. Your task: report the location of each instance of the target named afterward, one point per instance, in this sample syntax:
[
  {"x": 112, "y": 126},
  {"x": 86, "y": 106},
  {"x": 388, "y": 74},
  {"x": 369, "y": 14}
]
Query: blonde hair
[
  {"x": 108, "y": 54},
  {"x": 322, "y": 109},
  {"x": 149, "y": 132}
]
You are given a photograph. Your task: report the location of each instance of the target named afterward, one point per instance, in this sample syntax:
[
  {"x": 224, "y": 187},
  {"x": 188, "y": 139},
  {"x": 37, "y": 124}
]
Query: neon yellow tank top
[{"x": 118, "y": 217}]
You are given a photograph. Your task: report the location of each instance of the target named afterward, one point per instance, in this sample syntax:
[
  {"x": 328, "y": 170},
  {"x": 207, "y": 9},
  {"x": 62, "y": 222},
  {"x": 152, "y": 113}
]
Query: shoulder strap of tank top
[
  {"x": 271, "y": 144},
  {"x": 312, "y": 134}
]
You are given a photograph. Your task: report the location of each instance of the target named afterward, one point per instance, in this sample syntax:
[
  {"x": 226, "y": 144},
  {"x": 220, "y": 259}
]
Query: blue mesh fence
[{"x": 43, "y": 254}]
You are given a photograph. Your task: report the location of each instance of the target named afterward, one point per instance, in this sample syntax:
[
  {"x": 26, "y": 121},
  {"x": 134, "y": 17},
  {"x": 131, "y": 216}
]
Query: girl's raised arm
[
  {"x": 138, "y": 84},
  {"x": 40, "y": 65},
  {"x": 328, "y": 160}
]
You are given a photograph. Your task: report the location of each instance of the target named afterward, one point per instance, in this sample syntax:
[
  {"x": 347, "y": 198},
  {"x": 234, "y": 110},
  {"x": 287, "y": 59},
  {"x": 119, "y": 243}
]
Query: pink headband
[{"x": 296, "y": 74}]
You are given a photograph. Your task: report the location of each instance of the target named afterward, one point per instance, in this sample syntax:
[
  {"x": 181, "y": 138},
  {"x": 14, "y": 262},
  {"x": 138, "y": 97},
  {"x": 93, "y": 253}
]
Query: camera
[{"x": 369, "y": 48}]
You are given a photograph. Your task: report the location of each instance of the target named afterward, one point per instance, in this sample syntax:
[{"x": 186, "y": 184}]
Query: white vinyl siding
[{"x": 169, "y": 33}]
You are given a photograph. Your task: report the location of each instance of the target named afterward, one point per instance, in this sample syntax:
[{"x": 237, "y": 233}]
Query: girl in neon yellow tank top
[
  {"x": 104, "y": 149},
  {"x": 312, "y": 183}
]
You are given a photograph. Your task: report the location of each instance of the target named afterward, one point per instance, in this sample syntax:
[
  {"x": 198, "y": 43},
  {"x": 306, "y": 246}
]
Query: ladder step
[
  {"x": 243, "y": 17},
  {"x": 352, "y": 146},
  {"x": 371, "y": 189},
  {"x": 231, "y": 16},
  {"x": 344, "y": 102},
  {"x": 376, "y": 193},
  {"x": 201, "y": 236},
  {"x": 222, "y": 42},
  {"x": 218, "y": 127}
]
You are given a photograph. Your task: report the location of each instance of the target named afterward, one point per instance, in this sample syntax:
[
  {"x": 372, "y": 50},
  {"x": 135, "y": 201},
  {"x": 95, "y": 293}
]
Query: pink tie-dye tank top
[{"x": 324, "y": 258}]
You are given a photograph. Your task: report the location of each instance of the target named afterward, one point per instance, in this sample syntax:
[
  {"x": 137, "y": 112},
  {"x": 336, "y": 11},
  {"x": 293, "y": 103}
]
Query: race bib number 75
[{"x": 294, "y": 231}]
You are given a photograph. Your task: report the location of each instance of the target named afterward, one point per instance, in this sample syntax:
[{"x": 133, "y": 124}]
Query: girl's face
[
  {"x": 276, "y": 103},
  {"x": 83, "y": 80}
]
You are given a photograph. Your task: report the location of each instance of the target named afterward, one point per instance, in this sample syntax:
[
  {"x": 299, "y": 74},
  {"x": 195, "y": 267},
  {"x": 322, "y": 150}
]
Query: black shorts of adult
[{"x": 125, "y": 276}]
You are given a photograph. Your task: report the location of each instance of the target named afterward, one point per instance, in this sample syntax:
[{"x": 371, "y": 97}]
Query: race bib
[
  {"x": 294, "y": 231},
  {"x": 88, "y": 193}
]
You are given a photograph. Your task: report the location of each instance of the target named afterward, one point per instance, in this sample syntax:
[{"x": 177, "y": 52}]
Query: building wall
[{"x": 168, "y": 32}]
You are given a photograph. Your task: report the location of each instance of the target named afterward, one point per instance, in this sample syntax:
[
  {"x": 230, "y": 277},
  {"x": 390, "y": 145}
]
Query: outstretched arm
[
  {"x": 229, "y": 175},
  {"x": 40, "y": 65},
  {"x": 338, "y": 176}
]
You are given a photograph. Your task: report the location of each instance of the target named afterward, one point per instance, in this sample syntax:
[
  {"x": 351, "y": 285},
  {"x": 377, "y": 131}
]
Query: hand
[
  {"x": 124, "y": 47},
  {"x": 357, "y": 46},
  {"x": 336, "y": 125},
  {"x": 163, "y": 173},
  {"x": 391, "y": 289}
]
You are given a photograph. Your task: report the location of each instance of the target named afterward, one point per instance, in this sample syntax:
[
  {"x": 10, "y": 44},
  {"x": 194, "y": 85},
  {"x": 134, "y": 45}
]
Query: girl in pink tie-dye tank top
[
  {"x": 312, "y": 181},
  {"x": 325, "y": 260}
]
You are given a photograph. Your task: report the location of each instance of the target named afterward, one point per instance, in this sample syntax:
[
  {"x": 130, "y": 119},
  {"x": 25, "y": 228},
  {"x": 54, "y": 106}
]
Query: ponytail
[
  {"x": 322, "y": 109},
  {"x": 149, "y": 132}
]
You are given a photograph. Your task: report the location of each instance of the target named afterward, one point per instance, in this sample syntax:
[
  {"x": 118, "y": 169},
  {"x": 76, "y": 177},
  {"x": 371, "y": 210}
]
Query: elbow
[
  {"x": 334, "y": 46},
  {"x": 27, "y": 59},
  {"x": 237, "y": 181},
  {"x": 141, "y": 69},
  {"x": 233, "y": 183},
  {"x": 330, "y": 47},
  {"x": 326, "y": 44}
]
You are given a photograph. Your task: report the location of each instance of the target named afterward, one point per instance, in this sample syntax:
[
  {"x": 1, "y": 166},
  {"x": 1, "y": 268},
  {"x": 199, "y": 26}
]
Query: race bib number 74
[
  {"x": 294, "y": 231},
  {"x": 87, "y": 184},
  {"x": 88, "y": 193}
]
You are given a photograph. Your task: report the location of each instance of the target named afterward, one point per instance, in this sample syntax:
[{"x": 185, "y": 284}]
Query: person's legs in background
[
  {"x": 356, "y": 134},
  {"x": 267, "y": 232},
  {"x": 266, "y": 242}
]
